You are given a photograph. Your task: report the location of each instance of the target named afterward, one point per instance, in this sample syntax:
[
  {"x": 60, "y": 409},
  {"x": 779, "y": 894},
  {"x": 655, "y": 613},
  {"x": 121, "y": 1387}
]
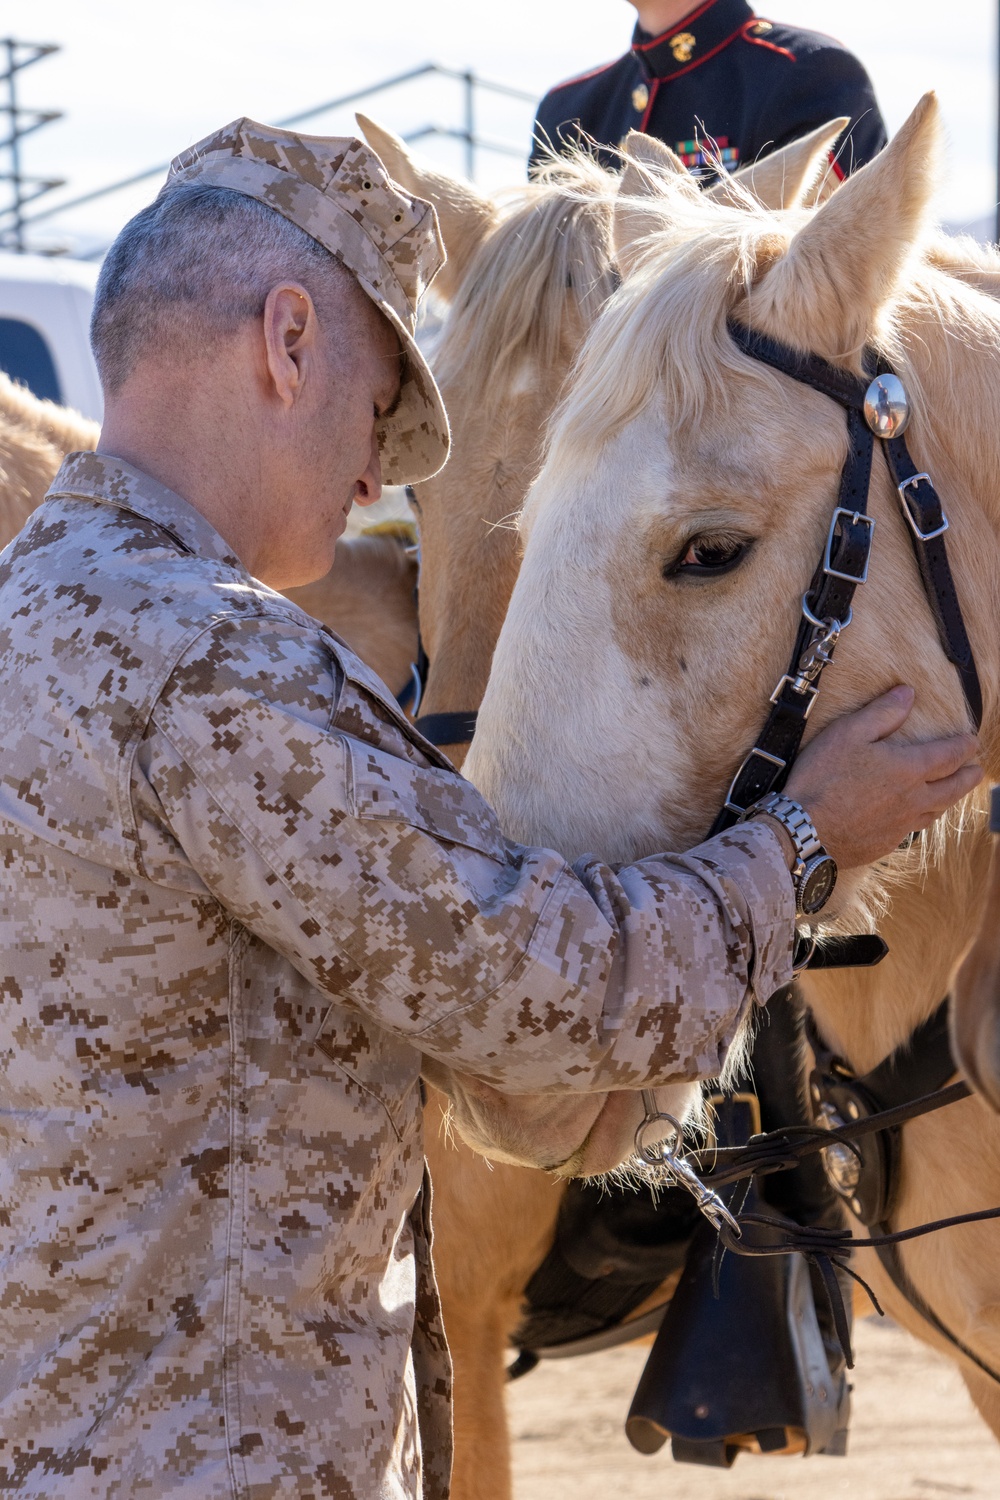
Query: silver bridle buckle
[{"x": 922, "y": 536}]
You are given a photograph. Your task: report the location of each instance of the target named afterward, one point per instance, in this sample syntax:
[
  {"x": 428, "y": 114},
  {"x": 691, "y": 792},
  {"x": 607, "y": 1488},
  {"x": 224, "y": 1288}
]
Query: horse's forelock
[{"x": 664, "y": 331}]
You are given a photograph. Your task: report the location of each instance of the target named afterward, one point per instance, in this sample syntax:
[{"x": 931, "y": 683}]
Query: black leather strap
[
  {"x": 857, "y": 950},
  {"x": 918, "y": 1066},
  {"x": 840, "y": 385},
  {"x": 447, "y": 729},
  {"x": 927, "y": 524},
  {"x": 892, "y": 1264},
  {"x": 843, "y": 566}
]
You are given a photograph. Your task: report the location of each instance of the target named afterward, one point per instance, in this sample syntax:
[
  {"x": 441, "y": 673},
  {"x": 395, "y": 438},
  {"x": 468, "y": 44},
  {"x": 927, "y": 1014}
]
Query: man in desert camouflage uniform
[{"x": 241, "y": 899}]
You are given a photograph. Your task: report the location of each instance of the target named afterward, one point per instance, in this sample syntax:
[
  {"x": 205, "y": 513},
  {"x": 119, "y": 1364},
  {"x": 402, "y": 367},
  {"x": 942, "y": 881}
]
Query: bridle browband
[{"x": 826, "y": 604}]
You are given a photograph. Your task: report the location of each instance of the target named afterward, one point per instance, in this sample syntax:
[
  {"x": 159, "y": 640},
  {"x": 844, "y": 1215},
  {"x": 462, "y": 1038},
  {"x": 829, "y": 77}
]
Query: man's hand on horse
[{"x": 865, "y": 791}]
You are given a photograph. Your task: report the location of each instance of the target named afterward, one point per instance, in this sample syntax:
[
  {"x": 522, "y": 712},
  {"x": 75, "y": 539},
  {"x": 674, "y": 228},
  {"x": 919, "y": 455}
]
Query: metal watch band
[{"x": 797, "y": 824}]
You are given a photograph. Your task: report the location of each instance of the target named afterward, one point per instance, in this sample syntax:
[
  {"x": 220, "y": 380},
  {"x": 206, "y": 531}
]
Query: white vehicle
[{"x": 45, "y": 307}]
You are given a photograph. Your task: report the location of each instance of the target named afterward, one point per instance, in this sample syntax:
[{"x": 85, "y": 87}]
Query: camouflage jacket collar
[{"x": 112, "y": 481}]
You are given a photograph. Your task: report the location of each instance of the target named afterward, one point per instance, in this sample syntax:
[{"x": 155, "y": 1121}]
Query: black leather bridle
[{"x": 826, "y": 604}]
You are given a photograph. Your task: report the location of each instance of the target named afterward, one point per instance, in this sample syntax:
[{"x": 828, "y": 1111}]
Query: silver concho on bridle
[{"x": 887, "y": 406}]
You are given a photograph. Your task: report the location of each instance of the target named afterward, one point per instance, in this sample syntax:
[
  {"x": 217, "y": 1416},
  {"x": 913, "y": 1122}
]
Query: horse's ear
[
  {"x": 651, "y": 152},
  {"x": 845, "y": 263},
  {"x": 785, "y": 178},
  {"x": 646, "y": 188},
  {"x": 465, "y": 216}
]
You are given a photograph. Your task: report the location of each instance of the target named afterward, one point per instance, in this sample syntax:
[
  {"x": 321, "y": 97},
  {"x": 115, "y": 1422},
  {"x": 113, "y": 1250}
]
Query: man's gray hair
[{"x": 198, "y": 261}]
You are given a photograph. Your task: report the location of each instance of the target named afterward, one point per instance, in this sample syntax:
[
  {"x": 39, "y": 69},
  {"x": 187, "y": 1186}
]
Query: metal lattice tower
[{"x": 21, "y": 122}]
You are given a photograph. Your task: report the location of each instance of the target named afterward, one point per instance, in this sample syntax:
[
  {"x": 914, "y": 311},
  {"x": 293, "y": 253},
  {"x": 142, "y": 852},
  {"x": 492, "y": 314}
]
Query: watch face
[{"x": 817, "y": 883}]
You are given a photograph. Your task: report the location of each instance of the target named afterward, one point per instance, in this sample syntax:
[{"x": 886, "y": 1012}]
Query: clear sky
[{"x": 140, "y": 81}]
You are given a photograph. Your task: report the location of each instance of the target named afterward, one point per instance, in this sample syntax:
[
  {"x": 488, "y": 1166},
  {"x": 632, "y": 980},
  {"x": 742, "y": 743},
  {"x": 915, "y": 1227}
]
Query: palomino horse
[
  {"x": 525, "y": 281},
  {"x": 367, "y": 597},
  {"x": 685, "y": 497}
]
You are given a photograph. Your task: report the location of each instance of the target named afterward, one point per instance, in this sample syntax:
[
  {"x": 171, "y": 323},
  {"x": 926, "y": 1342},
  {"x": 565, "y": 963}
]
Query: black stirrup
[{"x": 746, "y": 1358}]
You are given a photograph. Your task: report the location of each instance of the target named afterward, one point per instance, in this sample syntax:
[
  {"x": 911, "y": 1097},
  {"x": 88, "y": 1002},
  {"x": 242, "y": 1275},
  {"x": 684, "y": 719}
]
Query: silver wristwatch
[{"x": 814, "y": 872}]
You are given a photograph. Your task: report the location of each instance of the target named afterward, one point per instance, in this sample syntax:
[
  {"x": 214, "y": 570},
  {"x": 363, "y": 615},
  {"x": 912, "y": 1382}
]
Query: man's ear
[
  {"x": 465, "y": 216},
  {"x": 786, "y": 178},
  {"x": 290, "y": 327}
]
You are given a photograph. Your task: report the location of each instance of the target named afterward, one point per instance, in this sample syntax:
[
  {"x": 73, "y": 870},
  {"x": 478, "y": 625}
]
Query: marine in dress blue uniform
[{"x": 720, "y": 82}]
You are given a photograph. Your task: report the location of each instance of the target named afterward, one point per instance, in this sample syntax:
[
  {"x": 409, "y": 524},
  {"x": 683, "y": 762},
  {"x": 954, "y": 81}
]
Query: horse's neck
[{"x": 933, "y": 916}]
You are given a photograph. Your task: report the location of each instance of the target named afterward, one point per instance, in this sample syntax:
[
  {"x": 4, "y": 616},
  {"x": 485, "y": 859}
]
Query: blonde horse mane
[{"x": 554, "y": 237}]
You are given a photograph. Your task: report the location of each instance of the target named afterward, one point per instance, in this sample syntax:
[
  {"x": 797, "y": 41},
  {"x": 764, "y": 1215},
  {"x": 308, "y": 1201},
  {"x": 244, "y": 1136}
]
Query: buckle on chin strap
[
  {"x": 767, "y": 775},
  {"x": 922, "y": 536},
  {"x": 856, "y": 518}
]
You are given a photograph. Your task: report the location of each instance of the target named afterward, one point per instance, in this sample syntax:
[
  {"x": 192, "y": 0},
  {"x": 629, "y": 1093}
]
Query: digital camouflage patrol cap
[{"x": 337, "y": 190}]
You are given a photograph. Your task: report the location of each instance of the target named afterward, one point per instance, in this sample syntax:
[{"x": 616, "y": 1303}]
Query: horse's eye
[
  {"x": 411, "y": 497},
  {"x": 709, "y": 554}
]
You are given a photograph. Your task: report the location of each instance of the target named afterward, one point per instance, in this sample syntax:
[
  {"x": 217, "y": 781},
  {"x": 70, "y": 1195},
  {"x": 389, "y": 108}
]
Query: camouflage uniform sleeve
[{"x": 387, "y": 883}]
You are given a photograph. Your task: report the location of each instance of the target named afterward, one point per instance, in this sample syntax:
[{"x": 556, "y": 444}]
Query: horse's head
[{"x": 688, "y": 491}]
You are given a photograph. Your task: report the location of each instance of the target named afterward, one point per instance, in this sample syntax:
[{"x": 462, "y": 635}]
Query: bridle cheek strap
[
  {"x": 928, "y": 523},
  {"x": 826, "y": 604}
]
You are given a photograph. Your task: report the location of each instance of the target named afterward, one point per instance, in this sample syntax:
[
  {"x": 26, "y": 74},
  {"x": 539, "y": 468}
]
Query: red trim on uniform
[
  {"x": 758, "y": 41},
  {"x": 673, "y": 30},
  {"x": 654, "y": 90},
  {"x": 582, "y": 77},
  {"x": 669, "y": 77},
  {"x": 838, "y": 170}
]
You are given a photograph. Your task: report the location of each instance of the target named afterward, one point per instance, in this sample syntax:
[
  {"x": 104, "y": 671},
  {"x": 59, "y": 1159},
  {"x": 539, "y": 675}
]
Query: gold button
[
  {"x": 761, "y": 26},
  {"x": 640, "y": 97}
]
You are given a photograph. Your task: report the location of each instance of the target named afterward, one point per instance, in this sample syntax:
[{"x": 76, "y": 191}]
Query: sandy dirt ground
[{"x": 915, "y": 1435}]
